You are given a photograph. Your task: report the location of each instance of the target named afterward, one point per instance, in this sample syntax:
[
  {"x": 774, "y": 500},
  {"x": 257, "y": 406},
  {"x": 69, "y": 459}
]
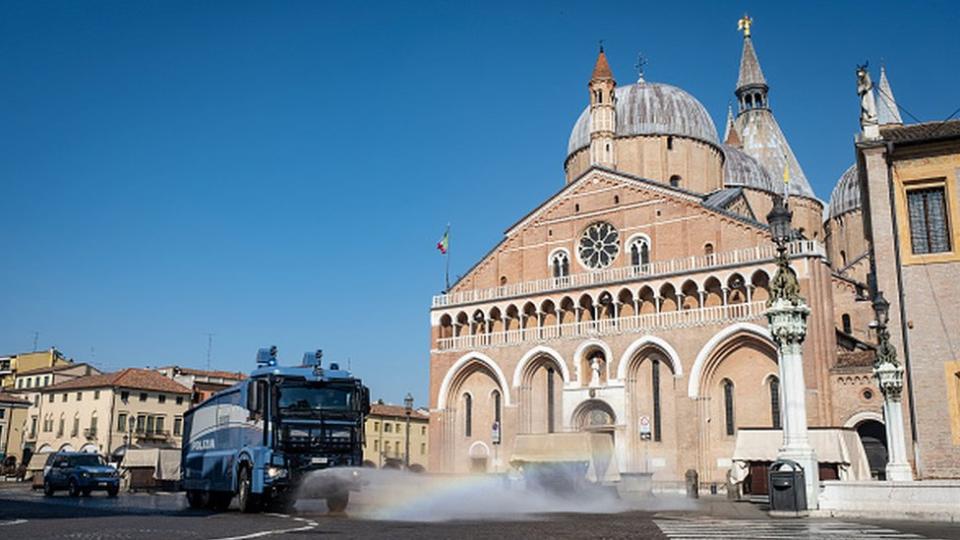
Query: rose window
[{"x": 599, "y": 245}]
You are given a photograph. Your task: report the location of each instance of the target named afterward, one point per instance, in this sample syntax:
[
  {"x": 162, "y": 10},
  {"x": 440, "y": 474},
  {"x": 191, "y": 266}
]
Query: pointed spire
[
  {"x": 887, "y": 111},
  {"x": 601, "y": 70},
  {"x": 730, "y": 135},
  {"x": 750, "y": 72}
]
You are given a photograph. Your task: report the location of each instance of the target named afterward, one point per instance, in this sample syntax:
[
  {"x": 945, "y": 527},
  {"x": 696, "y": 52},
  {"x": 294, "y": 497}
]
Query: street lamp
[
  {"x": 889, "y": 375},
  {"x": 407, "y": 408}
]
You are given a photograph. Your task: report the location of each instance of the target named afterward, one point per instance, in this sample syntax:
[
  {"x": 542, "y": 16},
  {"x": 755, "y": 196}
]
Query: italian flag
[{"x": 444, "y": 242}]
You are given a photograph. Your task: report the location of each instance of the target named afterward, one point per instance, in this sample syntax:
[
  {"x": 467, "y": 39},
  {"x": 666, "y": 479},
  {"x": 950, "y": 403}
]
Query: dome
[
  {"x": 846, "y": 196},
  {"x": 740, "y": 169},
  {"x": 652, "y": 109}
]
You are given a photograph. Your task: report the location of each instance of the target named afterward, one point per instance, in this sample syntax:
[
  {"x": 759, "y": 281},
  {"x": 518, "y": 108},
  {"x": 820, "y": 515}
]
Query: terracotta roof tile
[
  {"x": 920, "y": 132},
  {"x": 135, "y": 378},
  {"x": 12, "y": 399},
  {"x": 379, "y": 409},
  {"x": 48, "y": 369},
  {"x": 856, "y": 359},
  {"x": 601, "y": 70}
]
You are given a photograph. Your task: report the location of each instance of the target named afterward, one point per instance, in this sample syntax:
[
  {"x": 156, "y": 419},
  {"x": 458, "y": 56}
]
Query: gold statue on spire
[{"x": 744, "y": 25}]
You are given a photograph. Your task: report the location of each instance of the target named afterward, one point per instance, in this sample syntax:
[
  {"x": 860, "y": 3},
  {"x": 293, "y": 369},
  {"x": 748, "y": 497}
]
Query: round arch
[
  {"x": 582, "y": 348},
  {"x": 654, "y": 341},
  {"x": 532, "y": 354},
  {"x": 479, "y": 449},
  {"x": 89, "y": 448},
  {"x": 696, "y": 373},
  {"x": 464, "y": 360},
  {"x": 66, "y": 447},
  {"x": 586, "y": 407},
  {"x": 863, "y": 416}
]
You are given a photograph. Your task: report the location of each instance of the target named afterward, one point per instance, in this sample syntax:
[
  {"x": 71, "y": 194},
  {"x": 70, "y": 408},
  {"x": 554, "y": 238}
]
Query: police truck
[{"x": 259, "y": 439}]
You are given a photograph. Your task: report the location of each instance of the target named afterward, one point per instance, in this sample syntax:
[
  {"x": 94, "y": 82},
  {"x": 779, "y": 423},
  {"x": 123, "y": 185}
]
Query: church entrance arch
[{"x": 873, "y": 436}]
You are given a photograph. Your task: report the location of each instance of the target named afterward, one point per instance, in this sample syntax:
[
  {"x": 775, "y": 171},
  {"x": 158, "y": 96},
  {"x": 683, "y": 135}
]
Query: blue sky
[{"x": 279, "y": 172}]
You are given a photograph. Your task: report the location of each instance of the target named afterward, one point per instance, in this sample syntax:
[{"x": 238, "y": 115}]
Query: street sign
[
  {"x": 495, "y": 433},
  {"x": 645, "y": 428}
]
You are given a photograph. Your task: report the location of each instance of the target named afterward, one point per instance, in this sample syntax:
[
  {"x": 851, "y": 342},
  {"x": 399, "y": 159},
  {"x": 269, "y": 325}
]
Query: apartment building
[{"x": 386, "y": 436}]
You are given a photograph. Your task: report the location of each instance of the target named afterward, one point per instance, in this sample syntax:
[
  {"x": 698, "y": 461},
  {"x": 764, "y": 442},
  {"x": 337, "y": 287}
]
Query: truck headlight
[{"x": 276, "y": 472}]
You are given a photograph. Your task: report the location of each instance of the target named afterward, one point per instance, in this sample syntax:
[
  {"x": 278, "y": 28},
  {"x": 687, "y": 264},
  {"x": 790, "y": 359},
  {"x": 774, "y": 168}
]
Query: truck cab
[{"x": 259, "y": 439}]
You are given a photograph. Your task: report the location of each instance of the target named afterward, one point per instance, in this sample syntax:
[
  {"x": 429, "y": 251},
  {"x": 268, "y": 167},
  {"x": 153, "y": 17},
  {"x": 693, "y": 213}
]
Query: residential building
[
  {"x": 28, "y": 384},
  {"x": 204, "y": 383},
  {"x": 386, "y": 436},
  {"x": 135, "y": 407},
  {"x": 13, "y": 420},
  {"x": 11, "y": 364}
]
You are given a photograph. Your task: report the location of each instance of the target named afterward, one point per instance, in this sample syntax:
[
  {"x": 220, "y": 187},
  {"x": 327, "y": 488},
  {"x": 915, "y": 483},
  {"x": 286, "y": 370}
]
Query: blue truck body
[{"x": 258, "y": 439}]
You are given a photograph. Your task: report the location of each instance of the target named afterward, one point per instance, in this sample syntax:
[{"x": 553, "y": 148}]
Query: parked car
[{"x": 80, "y": 473}]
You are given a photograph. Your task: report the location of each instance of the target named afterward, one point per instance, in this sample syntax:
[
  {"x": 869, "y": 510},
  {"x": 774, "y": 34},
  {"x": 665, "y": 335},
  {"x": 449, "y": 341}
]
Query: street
[{"x": 27, "y": 514}]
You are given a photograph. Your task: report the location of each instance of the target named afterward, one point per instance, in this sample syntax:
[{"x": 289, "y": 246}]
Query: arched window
[
  {"x": 550, "y": 400},
  {"x": 496, "y": 406},
  {"x": 560, "y": 264},
  {"x": 656, "y": 399},
  {"x": 708, "y": 249},
  {"x": 467, "y": 415},
  {"x": 640, "y": 252},
  {"x": 843, "y": 258},
  {"x": 729, "y": 421},
  {"x": 775, "y": 401},
  {"x": 847, "y": 325},
  {"x": 669, "y": 143},
  {"x": 675, "y": 180}
]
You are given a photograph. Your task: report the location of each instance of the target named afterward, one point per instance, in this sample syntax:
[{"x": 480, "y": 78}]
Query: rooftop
[
  {"x": 11, "y": 399},
  {"x": 383, "y": 409},
  {"x": 134, "y": 378},
  {"x": 52, "y": 369},
  {"x": 921, "y": 132},
  {"x": 233, "y": 375}
]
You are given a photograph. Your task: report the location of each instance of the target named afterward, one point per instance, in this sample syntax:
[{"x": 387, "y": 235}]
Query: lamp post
[
  {"x": 889, "y": 374},
  {"x": 407, "y": 408},
  {"x": 787, "y": 314}
]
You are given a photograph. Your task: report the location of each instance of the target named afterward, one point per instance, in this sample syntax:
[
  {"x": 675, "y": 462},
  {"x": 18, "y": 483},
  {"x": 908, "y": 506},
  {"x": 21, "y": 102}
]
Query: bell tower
[{"x": 603, "y": 113}]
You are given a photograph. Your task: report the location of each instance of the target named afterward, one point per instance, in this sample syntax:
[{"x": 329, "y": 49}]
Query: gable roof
[
  {"x": 10, "y": 399},
  {"x": 396, "y": 411},
  {"x": 53, "y": 369},
  {"x": 133, "y": 378}
]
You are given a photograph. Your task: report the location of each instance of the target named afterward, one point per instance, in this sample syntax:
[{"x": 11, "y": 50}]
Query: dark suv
[{"x": 79, "y": 472}]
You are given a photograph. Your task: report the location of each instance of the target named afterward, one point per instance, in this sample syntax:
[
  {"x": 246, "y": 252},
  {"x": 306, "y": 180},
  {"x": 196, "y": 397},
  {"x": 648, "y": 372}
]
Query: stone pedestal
[{"x": 890, "y": 379}]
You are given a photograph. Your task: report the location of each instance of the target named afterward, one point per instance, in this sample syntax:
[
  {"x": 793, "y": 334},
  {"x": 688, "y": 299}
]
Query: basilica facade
[{"x": 632, "y": 301}]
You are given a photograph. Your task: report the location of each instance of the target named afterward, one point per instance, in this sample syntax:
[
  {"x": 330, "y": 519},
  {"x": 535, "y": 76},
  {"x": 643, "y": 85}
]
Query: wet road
[{"x": 26, "y": 514}]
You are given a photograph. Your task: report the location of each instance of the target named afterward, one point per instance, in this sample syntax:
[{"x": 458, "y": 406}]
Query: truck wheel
[
  {"x": 338, "y": 503},
  {"x": 196, "y": 498},
  {"x": 248, "y": 501},
  {"x": 73, "y": 488},
  {"x": 47, "y": 488}
]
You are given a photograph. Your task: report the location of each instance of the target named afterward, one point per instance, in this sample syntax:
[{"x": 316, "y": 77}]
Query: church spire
[
  {"x": 730, "y": 135},
  {"x": 887, "y": 111},
  {"x": 603, "y": 113},
  {"x": 751, "y": 84}
]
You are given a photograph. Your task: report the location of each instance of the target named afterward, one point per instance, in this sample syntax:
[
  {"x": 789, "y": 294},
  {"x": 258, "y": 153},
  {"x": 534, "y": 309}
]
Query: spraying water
[{"x": 403, "y": 496}]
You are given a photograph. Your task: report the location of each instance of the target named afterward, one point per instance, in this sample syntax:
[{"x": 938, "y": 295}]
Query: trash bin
[
  {"x": 693, "y": 484},
  {"x": 788, "y": 489}
]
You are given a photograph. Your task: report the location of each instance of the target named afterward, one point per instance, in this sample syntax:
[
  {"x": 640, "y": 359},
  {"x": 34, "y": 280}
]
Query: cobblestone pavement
[{"x": 27, "y": 514}]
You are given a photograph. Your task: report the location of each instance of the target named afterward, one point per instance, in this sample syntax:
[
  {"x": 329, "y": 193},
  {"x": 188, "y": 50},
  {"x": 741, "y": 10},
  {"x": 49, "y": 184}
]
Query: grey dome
[
  {"x": 740, "y": 169},
  {"x": 846, "y": 195},
  {"x": 648, "y": 108}
]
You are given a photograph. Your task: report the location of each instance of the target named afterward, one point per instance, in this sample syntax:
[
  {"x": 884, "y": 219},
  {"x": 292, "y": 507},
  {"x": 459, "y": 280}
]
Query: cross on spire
[{"x": 640, "y": 65}]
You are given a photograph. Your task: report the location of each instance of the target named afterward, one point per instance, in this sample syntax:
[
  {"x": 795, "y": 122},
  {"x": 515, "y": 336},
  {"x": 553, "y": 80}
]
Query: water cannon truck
[{"x": 259, "y": 439}]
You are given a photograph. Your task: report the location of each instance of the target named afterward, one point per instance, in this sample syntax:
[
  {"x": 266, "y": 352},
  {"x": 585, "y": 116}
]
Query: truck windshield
[{"x": 313, "y": 398}]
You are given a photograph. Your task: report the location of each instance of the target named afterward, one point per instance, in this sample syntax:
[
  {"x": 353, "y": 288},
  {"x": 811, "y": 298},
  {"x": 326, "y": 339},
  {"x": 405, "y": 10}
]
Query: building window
[
  {"x": 423, "y": 430},
  {"x": 669, "y": 143},
  {"x": 141, "y": 423},
  {"x": 150, "y": 424},
  {"x": 376, "y": 426},
  {"x": 60, "y": 426},
  {"x": 46, "y": 380},
  {"x": 616, "y": 199},
  {"x": 708, "y": 249},
  {"x": 63, "y": 398},
  {"x": 79, "y": 396},
  {"x": 96, "y": 394},
  {"x": 179, "y": 400},
  {"x": 843, "y": 259},
  {"x": 161, "y": 420},
  {"x": 929, "y": 230},
  {"x": 376, "y": 446},
  {"x": 729, "y": 421},
  {"x": 657, "y": 434},
  {"x": 847, "y": 326},
  {"x": 122, "y": 422},
  {"x": 162, "y": 398},
  {"x": 3, "y": 414},
  {"x": 33, "y": 427},
  {"x": 124, "y": 396},
  {"x": 550, "y": 400},
  {"x": 143, "y": 396},
  {"x": 775, "y": 401},
  {"x": 640, "y": 252},
  {"x": 423, "y": 449},
  {"x": 560, "y": 263},
  {"x": 386, "y": 448},
  {"x": 496, "y": 406},
  {"x": 387, "y": 427},
  {"x": 177, "y": 426},
  {"x": 467, "y": 415},
  {"x": 51, "y": 398},
  {"x": 675, "y": 181}
]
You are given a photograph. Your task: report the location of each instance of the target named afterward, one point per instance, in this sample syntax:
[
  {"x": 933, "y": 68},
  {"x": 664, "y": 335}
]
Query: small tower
[
  {"x": 751, "y": 85},
  {"x": 887, "y": 111},
  {"x": 603, "y": 113},
  {"x": 730, "y": 135}
]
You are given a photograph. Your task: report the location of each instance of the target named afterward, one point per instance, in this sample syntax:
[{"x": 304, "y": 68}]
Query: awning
[
  {"x": 837, "y": 446},
  {"x": 141, "y": 457},
  {"x": 37, "y": 462},
  {"x": 169, "y": 466},
  {"x": 594, "y": 448}
]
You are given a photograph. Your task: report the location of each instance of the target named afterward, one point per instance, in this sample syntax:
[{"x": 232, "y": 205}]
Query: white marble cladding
[{"x": 741, "y": 257}]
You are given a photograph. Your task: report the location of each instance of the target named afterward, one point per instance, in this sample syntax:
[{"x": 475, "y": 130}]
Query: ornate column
[
  {"x": 787, "y": 314},
  {"x": 889, "y": 374}
]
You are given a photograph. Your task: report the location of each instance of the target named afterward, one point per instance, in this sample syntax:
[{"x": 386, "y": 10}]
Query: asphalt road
[{"x": 26, "y": 514}]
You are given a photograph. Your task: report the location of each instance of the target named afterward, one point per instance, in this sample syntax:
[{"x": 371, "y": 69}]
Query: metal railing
[
  {"x": 611, "y": 275},
  {"x": 633, "y": 324}
]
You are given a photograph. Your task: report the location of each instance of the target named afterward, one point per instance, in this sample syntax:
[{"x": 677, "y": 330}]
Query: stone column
[{"x": 889, "y": 374}]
